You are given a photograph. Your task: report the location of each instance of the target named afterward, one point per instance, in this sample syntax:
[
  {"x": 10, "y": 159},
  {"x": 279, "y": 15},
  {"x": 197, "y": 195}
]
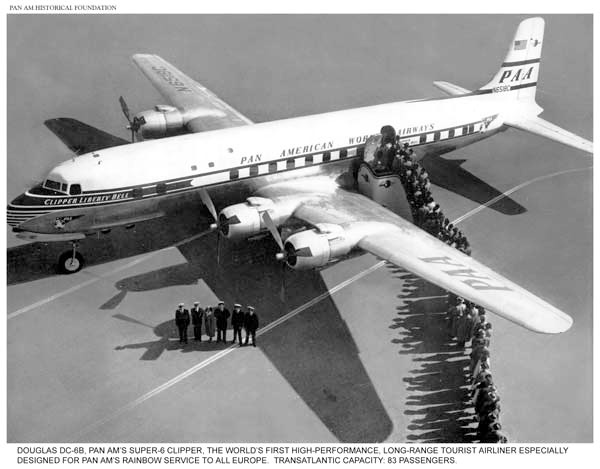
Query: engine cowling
[
  {"x": 317, "y": 247},
  {"x": 240, "y": 221},
  {"x": 163, "y": 121}
]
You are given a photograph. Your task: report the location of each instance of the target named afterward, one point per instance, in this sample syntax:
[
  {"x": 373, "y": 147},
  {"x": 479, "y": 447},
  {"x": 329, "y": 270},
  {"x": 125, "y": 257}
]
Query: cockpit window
[
  {"x": 75, "y": 189},
  {"x": 50, "y": 184}
]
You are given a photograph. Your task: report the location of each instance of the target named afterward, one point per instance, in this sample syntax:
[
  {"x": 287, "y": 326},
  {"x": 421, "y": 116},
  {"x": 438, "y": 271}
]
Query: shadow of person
[
  {"x": 438, "y": 401},
  {"x": 168, "y": 341},
  {"x": 312, "y": 349},
  {"x": 450, "y": 175}
]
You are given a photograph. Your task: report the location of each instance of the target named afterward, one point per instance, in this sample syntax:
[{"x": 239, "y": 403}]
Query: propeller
[
  {"x": 207, "y": 201},
  {"x": 285, "y": 251},
  {"x": 136, "y": 123}
]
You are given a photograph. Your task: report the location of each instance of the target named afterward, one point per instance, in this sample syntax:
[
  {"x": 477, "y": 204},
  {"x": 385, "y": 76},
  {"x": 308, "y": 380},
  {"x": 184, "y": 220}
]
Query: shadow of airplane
[
  {"x": 313, "y": 350},
  {"x": 449, "y": 175},
  {"x": 438, "y": 404}
]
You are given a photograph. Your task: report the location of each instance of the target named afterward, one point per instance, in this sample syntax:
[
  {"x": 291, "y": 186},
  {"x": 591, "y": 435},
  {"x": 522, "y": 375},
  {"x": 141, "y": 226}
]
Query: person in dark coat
[
  {"x": 222, "y": 315},
  {"x": 251, "y": 325},
  {"x": 209, "y": 323},
  {"x": 237, "y": 322},
  {"x": 197, "y": 318},
  {"x": 182, "y": 321}
]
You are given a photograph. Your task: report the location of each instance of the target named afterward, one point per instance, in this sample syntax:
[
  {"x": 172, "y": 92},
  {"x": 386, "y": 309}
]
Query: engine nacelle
[
  {"x": 240, "y": 221},
  {"x": 316, "y": 248},
  {"x": 163, "y": 121}
]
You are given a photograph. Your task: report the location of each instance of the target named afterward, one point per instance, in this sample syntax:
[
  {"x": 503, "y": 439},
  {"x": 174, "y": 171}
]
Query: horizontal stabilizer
[
  {"x": 450, "y": 89},
  {"x": 539, "y": 126},
  {"x": 82, "y": 138}
]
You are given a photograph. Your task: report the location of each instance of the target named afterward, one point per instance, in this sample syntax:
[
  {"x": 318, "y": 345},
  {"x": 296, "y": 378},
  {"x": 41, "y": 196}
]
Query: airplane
[{"x": 312, "y": 169}]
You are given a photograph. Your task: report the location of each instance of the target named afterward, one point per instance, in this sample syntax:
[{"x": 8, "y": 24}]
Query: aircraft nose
[{"x": 17, "y": 212}]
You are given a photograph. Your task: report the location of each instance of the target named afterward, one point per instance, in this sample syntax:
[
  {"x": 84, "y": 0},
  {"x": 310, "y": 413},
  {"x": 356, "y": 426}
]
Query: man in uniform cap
[
  {"x": 197, "y": 318},
  {"x": 237, "y": 322},
  {"x": 222, "y": 314},
  {"x": 251, "y": 324},
  {"x": 182, "y": 320}
]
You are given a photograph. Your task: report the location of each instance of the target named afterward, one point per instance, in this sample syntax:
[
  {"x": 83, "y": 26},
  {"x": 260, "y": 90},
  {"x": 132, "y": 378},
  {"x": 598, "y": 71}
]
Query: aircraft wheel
[{"x": 67, "y": 264}]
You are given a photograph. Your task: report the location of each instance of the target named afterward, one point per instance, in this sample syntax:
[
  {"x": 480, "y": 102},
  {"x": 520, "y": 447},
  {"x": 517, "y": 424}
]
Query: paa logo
[{"x": 512, "y": 76}]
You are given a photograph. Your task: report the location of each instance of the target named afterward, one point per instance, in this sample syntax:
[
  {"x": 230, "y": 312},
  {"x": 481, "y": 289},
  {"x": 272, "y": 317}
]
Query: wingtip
[{"x": 560, "y": 323}]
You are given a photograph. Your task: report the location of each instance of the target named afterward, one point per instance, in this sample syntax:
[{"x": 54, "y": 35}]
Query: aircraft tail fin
[
  {"x": 539, "y": 126},
  {"x": 518, "y": 75}
]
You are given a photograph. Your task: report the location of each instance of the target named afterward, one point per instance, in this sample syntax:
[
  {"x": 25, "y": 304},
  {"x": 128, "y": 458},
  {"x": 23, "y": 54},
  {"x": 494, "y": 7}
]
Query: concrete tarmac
[{"x": 94, "y": 357}]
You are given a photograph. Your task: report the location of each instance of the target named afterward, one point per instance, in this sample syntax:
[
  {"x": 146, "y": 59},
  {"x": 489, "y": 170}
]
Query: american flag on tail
[{"x": 520, "y": 45}]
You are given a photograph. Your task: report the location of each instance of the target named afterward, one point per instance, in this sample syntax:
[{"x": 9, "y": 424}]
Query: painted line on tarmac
[
  {"x": 81, "y": 285},
  {"x": 514, "y": 189},
  {"x": 213, "y": 358}
]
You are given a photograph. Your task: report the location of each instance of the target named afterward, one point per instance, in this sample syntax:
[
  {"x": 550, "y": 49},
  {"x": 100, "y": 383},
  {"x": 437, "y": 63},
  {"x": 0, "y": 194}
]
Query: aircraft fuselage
[{"x": 138, "y": 182}]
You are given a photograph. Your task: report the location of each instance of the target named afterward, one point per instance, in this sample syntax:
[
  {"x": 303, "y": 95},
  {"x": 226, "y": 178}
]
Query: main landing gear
[{"x": 71, "y": 261}]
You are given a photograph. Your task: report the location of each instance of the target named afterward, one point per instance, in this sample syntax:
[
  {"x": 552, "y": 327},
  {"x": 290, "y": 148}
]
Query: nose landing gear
[{"x": 71, "y": 261}]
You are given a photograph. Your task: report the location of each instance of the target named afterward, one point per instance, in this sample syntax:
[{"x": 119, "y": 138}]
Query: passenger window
[
  {"x": 451, "y": 133},
  {"x": 137, "y": 192},
  {"x": 290, "y": 164},
  {"x": 211, "y": 165},
  {"x": 436, "y": 136},
  {"x": 75, "y": 189},
  {"x": 422, "y": 139},
  {"x": 308, "y": 160},
  {"x": 254, "y": 170},
  {"x": 273, "y": 167},
  {"x": 343, "y": 153},
  {"x": 161, "y": 188},
  {"x": 234, "y": 174},
  {"x": 326, "y": 157}
]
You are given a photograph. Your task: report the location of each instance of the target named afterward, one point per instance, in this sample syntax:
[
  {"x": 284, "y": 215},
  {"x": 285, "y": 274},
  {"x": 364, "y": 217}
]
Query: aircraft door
[{"x": 385, "y": 189}]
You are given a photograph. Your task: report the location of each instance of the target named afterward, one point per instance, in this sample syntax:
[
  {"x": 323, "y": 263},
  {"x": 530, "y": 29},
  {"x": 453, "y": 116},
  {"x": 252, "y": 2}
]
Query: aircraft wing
[
  {"x": 201, "y": 108},
  {"x": 82, "y": 138},
  {"x": 379, "y": 231}
]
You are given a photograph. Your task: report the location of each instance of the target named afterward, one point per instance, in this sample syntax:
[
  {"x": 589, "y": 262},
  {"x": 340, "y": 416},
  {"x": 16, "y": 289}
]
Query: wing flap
[
  {"x": 202, "y": 109},
  {"x": 438, "y": 263}
]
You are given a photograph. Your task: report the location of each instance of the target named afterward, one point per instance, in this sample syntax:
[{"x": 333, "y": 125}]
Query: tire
[{"x": 67, "y": 265}]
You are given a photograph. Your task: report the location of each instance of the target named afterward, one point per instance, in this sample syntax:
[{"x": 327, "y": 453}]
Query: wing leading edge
[
  {"x": 398, "y": 241},
  {"x": 201, "y": 108}
]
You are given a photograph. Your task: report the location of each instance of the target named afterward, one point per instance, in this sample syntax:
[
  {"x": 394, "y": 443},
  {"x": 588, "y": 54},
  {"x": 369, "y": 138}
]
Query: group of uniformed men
[
  {"x": 466, "y": 321},
  {"x": 216, "y": 319}
]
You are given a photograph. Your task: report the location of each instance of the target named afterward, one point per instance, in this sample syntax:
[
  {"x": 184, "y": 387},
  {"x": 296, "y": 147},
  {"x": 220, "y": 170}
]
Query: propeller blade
[
  {"x": 125, "y": 109},
  {"x": 272, "y": 228},
  {"x": 206, "y": 200}
]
